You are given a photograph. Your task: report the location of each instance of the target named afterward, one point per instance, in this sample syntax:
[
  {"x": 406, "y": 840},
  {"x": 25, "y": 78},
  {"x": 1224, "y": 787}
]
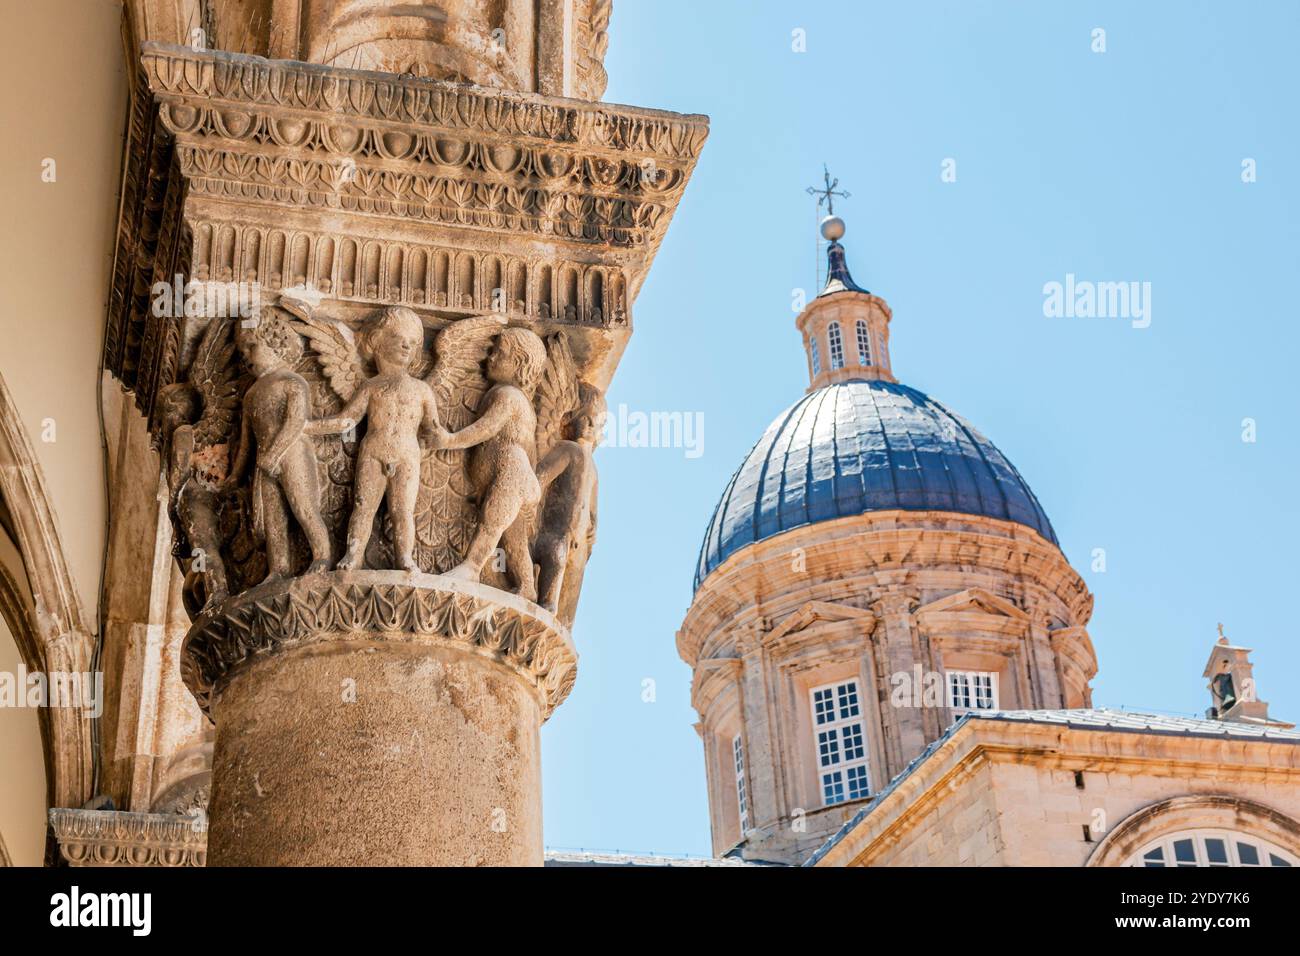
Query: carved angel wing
[
  {"x": 557, "y": 393},
  {"x": 214, "y": 376},
  {"x": 336, "y": 350},
  {"x": 457, "y": 378},
  {"x": 445, "y": 515}
]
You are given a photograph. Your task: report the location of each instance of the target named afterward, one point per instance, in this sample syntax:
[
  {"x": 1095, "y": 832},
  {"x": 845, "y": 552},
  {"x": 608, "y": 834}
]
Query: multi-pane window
[
  {"x": 1211, "y": 848},
  {"x": 841, "y": 742},
  {"x": 837, "y": 345},
  {"x": 742, "y": 791},
  {"x": 816, "y": 356},
  {"x": 972, "y": 690},
  {"x": 864, "y": 343}
]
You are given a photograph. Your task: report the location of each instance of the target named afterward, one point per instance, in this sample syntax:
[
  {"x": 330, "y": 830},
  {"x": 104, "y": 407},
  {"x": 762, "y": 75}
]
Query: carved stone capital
[
  {"x": 112, "y": 838},
  {"x": 896, "y": 603},
  {"x": 385, "y": 606},
  {"x": 749, "y": 639}
]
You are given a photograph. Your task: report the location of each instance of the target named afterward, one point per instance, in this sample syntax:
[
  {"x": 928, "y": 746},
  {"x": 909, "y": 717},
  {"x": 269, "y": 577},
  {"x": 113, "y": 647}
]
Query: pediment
[
  {"x": 814, "y": 612},
  {"x": 974, "y": 599}
]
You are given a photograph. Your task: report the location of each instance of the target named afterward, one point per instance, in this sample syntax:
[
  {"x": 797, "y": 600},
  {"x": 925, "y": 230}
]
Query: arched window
[
  {"x": 837, "y": 345},
  {"x": 816, "y": 356},
  {"x": 864, "y": 343},
  {"x": 1211, "y": 848}
]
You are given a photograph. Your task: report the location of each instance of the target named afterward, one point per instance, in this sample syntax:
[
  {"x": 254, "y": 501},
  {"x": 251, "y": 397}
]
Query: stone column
[
  {"x": 405, "y": 227},
  {"x": 377, "y": 718}
]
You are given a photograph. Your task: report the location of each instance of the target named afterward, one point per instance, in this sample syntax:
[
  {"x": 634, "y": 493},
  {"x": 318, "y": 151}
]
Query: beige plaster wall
[
  {"x": 63, "y": 96},
  {"x": 22, "y": 771}
]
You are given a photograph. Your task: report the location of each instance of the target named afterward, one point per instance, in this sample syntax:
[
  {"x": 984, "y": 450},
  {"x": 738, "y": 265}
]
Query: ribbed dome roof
[{"x": 861, "y": 446}]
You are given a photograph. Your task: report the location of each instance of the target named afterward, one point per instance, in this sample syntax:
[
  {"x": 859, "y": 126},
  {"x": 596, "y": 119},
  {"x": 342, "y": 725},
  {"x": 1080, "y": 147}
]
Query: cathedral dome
[{"x": 854, "y": 447}]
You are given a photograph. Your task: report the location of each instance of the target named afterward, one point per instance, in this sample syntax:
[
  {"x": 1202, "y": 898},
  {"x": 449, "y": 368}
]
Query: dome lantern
[{"x": 845, "y": 328}]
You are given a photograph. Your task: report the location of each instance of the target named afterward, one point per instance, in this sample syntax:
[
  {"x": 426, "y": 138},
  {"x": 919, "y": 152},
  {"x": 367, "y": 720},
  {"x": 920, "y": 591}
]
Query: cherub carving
[
  {"x": 501, "y": 466},
  {"x": 196, "y": 417},
  {"x": 276, "y": 408},
  {"x": 398, "y": 408},
  {"x": 567, "y": 474}
]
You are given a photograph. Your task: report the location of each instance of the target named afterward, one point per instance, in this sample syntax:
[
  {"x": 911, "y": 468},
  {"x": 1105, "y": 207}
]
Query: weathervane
[{"x": 828, "y": 193}]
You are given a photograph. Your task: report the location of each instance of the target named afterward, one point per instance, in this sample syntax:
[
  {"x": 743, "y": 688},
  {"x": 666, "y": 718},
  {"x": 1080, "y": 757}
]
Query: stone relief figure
[
  {"x": 273, "y": 429},
  {"x": 567, "y": 475},
  {"x": 504, "y": 439},
  {"x": 397, "y": 406},
  {"x": 196, "y": 418},
  {"x": 452, "y": 455}
]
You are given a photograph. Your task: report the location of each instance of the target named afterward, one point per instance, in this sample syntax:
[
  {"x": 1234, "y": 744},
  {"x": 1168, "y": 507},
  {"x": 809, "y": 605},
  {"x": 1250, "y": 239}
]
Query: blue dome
[{"x": 855, "y": 447}]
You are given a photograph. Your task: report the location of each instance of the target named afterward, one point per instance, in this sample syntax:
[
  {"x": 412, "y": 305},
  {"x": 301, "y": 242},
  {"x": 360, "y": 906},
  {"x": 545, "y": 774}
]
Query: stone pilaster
[
  {"x": 757, "y": 728},
  {"x": 1043, "y": 665},
  {"x": 897, "y": 647}
]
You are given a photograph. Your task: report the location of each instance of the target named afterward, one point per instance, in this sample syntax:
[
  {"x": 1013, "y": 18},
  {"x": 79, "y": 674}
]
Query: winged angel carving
[
  {"x": 196, "y": 417},
  {"x": 452, "y": 444}
]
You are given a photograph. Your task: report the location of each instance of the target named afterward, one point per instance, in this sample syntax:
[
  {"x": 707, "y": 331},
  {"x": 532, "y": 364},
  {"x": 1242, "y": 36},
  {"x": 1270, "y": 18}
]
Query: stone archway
[
  {"x": 45, "y": 617},
  {"x": 1217, "y": 811}
]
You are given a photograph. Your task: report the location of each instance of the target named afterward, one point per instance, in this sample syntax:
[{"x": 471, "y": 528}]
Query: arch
[
  {"x": 1193, "y": 812},
  {"x": 49, "y": 627},
  {"x": 864, "y": 342}
]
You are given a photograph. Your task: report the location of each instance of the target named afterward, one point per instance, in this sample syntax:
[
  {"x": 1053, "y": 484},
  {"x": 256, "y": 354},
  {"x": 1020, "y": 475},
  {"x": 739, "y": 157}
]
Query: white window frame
[
  {"x": 838, "y": 715},
  {"x": 962, "y": 690},
  {"x": 1164, "y": 847},
  {"x": 816, "y": 355},
  {"x": 864, "y": 342},
  {"x": 742, "y": 788},
  {"x": 835, "y": 338}
]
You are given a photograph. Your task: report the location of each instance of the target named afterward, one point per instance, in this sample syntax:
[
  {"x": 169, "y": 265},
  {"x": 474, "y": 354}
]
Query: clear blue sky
[{"x": 1117, "y": 166}]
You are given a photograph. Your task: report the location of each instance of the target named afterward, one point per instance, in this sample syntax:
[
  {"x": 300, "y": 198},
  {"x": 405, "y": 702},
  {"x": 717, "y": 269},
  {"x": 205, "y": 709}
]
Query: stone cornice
[
  {"x": 865, "y": 553},
  {"x": 362, "y": 94},
  {"x": 112, "y": 838},
  {"x": 374, "y": 143},
  {"x": 380, "y": 606}
]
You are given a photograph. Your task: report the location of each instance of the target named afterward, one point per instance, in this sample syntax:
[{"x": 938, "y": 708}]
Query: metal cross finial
[{"x": 828, "y": 193}]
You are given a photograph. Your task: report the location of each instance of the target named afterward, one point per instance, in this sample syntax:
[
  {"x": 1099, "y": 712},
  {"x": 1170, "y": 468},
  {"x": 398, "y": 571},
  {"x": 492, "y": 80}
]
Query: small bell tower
[{"x": 1232, "y": 686}]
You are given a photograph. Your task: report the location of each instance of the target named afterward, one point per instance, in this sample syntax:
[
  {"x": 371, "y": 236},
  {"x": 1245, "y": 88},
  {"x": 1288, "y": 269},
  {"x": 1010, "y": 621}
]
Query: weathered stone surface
[
  {"x": 433, "y": 761},
  {"x": 377, "y": 717}
]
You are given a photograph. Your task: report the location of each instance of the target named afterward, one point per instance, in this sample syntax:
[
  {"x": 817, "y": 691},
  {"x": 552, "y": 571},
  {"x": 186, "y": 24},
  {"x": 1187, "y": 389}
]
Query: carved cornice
[
  {"x": 284, "y": 132},
  {"x": 379, "y": 606},
  {"x": 111, "y": 838}
]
